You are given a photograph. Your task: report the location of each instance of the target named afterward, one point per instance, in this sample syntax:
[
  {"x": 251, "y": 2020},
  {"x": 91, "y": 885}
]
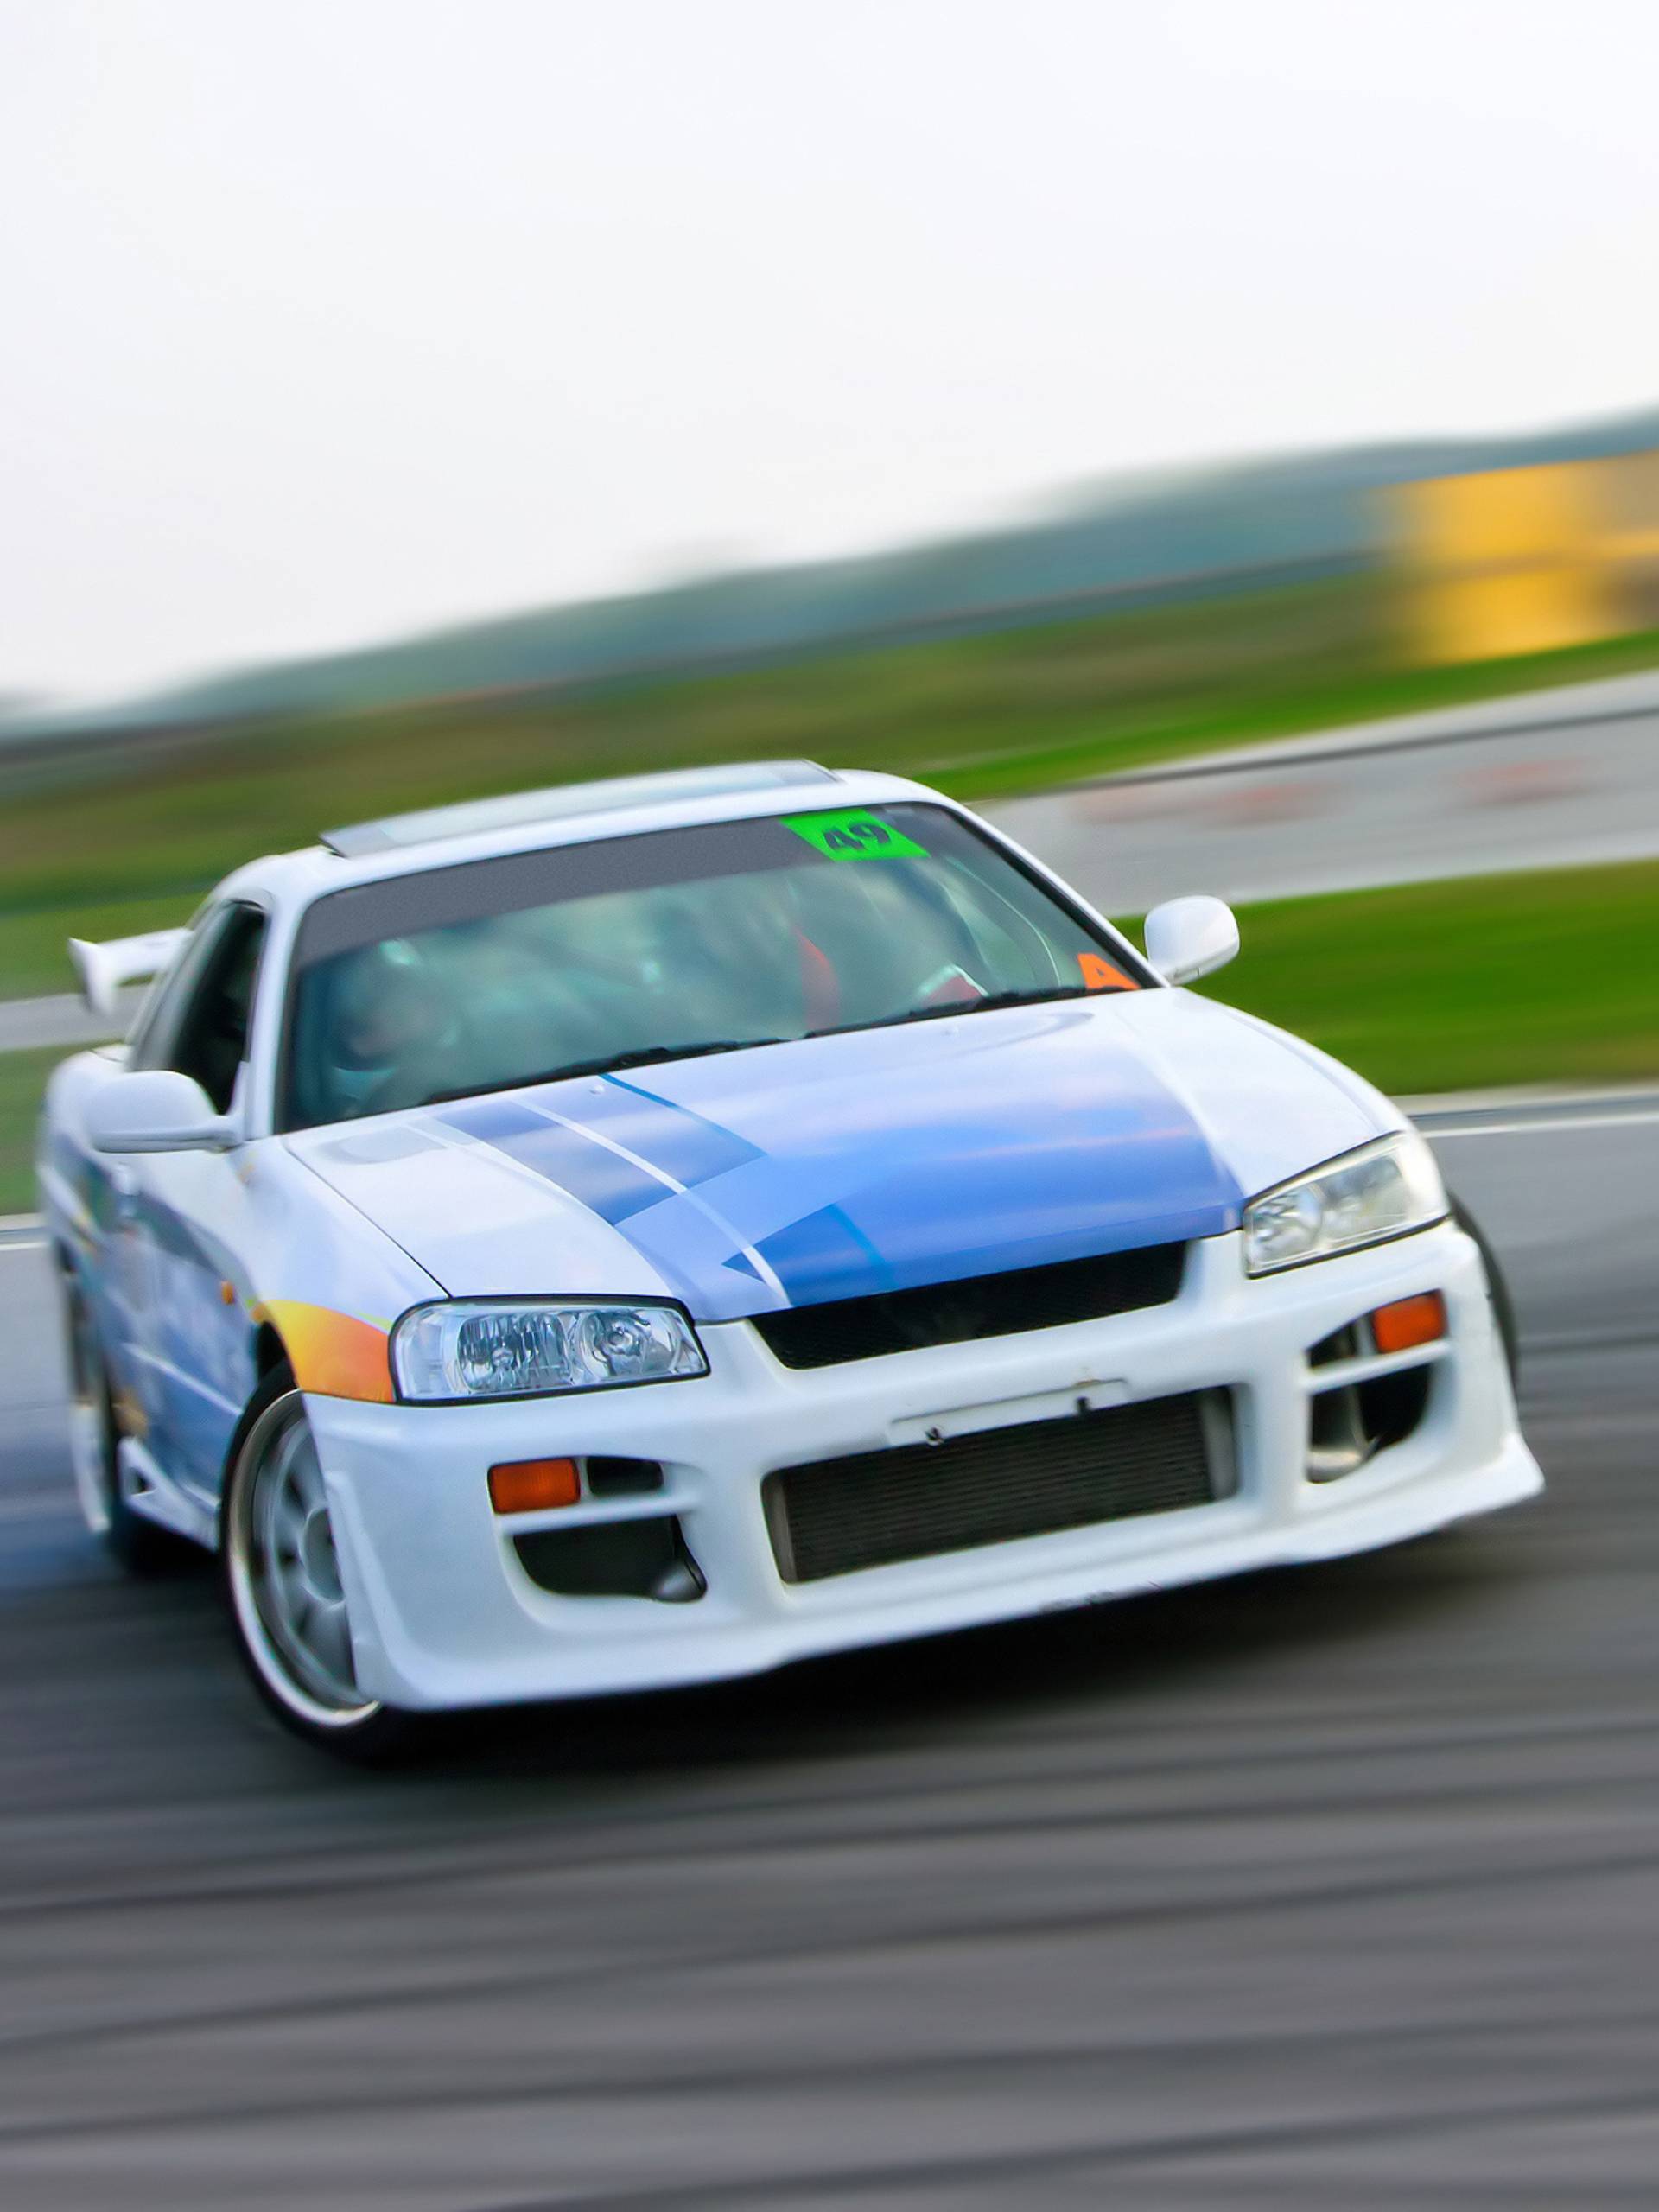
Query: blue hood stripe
[
  {"x": 696, "y": 1254},
  {"x": 877, "y": 1160},
  {"x": 612, "y": 1188},
  {"x": 825, "y": 1254},
  {"x": 684, "y": 1144}
]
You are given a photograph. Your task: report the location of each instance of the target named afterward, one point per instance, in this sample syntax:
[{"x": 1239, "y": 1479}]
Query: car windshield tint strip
[{"x": 855, "y": 835}]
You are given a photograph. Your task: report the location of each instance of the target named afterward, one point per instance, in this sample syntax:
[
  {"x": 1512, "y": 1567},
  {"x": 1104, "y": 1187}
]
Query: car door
[{"x": 183, "y": 1215}]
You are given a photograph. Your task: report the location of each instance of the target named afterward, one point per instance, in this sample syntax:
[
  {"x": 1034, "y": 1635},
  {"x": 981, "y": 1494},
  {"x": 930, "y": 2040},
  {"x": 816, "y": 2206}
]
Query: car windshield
[{"x": 492, "y": 974}]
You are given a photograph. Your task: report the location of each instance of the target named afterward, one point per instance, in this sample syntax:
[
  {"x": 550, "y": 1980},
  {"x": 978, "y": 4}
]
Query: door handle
[{"x": 124, "y": 1185}]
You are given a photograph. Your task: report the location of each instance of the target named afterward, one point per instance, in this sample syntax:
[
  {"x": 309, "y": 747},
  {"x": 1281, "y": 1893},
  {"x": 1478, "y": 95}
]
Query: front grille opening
[
  {"x": 613, "y": 1559},
  {"x": 917, "y": 1501},
  {"x": 974, "y": 1307},
  {"x": 1350, "y": 1425}
]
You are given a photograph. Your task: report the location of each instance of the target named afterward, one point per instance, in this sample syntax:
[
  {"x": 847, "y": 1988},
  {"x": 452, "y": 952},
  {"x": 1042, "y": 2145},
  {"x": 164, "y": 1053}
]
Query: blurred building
[
  {"x": 1509, "y": 561},
  {"x": 1500, "y": 546}
]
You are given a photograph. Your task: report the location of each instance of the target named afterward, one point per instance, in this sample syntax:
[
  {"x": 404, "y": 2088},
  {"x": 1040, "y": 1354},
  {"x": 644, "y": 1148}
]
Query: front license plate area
[{"x": 995, "y": 1485}]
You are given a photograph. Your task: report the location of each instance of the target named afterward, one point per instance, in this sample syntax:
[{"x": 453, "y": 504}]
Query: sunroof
[{"x": 563, "y": 801}]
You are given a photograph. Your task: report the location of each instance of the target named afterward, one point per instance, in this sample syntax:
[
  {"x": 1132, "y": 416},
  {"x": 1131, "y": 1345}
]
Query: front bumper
[{"x": 444, "y": 1615}]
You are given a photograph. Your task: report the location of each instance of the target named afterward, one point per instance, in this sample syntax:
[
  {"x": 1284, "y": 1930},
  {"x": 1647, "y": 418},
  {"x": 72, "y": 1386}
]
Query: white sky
[{"x": 325, "y": 319}]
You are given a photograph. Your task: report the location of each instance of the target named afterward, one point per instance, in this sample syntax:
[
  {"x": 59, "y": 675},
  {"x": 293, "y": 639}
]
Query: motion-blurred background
[
  {"x": 406, "y": 402},
  {"x": 1222, "y": 441}
]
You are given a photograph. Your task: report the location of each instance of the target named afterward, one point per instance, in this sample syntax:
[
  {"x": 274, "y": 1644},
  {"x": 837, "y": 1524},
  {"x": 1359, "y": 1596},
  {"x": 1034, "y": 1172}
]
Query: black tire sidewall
[{"x": 1497, "y": 1289}]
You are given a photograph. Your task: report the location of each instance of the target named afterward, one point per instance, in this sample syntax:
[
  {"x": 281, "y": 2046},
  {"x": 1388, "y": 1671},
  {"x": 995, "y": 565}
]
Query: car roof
[
  {"x": 567, "y": 813},
  {"x": 564, "y": 801}
]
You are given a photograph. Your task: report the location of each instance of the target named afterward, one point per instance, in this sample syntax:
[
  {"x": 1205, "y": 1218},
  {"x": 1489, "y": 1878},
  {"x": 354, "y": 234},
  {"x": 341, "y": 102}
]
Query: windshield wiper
[
  {"x": 608, "y": 1063},
  {"x": 992, "y": 1000},
  {"x": 991, "y": 1003}
]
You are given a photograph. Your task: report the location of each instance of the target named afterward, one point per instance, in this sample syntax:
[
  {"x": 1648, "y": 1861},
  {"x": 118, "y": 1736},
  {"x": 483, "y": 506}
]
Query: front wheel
[{"x": 283, "y": 1585}]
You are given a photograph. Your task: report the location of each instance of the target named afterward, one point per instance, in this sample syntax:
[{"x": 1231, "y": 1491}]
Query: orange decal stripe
[{"x": 334, "y": 1355}]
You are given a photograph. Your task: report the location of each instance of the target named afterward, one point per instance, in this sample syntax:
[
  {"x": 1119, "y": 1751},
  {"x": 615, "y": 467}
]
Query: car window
[
  {"x": 203, "y": 1030},
  {"x": 158, "y": 1012},
  {"x": 487, "y": 973}
]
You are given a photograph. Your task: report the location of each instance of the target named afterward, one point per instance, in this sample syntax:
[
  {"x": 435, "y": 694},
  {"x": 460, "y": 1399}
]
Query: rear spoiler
[{"x": 104, "y": 969}]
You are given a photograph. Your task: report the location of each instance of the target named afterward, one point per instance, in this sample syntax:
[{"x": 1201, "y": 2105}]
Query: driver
[{"x": 393, "y": 1037}]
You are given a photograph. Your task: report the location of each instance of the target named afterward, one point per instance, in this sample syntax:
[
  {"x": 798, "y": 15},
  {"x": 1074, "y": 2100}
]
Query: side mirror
[
  {"x": 1190, "y": 938},
  {"x": 156, "y": 1109}
]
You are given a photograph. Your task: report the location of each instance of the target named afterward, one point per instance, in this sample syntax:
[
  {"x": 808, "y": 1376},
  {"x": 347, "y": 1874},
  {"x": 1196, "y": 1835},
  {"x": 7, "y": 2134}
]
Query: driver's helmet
[{"x": 387, "y": 1011}]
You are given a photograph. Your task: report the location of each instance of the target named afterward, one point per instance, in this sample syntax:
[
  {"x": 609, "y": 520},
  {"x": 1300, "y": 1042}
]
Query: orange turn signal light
[
  {"x": 534, "y": 1485},
  {"x": 1409, "y": 1321}
]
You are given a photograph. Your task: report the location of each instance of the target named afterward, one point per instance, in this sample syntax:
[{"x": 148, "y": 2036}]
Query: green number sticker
[{"x": 855, "y": 835}]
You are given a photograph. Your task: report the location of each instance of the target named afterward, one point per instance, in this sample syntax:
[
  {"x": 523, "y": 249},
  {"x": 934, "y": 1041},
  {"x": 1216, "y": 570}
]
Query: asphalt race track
[
  {"x": 1470, "y": 795},
  {"x": 1336, "y": 1887}
]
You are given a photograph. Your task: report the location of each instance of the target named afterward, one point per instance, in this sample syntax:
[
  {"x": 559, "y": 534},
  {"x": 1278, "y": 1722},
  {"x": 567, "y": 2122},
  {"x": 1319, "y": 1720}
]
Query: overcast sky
[{"x": 326, "y": 319}]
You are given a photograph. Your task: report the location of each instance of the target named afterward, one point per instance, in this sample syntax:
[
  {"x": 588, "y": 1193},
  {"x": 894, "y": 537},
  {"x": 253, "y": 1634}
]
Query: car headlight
[
  {"x": 1383, "y": 1190},
  {"x": 532, "y": 1347}
]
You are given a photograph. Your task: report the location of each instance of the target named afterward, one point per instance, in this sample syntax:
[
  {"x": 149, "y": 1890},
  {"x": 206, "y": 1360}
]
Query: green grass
[
  {"x": 32, "y": 956},
  {"x": 128, "y": 836},
  {"x": 1541, "y": 977},
  {"x": 22, "y": 1080},
  {"x": 1502, "y": 979}
]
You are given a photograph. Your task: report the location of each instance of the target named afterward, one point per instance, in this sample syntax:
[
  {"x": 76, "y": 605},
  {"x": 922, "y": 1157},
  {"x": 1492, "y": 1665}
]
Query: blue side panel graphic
[{"x": 201, "y": 1373}]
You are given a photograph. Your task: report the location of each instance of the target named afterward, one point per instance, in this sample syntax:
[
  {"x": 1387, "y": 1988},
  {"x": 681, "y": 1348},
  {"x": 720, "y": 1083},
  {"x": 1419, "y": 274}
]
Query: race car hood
[{"x": 838, "y": 1166}]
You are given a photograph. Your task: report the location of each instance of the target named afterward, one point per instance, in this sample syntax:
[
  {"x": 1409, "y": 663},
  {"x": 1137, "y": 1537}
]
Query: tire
[
  {"x": 1497, "y": 1289},
  {"x": 282, "y": 1591},
  {"x": 137, "y": 1544}
]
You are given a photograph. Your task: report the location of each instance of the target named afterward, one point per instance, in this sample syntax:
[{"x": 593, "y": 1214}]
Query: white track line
[{"x": 1538, "y": 1122}]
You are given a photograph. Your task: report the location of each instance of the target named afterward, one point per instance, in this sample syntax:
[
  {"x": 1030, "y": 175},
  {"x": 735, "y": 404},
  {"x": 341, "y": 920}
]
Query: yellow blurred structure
[{"x": 1526, "y": 560}]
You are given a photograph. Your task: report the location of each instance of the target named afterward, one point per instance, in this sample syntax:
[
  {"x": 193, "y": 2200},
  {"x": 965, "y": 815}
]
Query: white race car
[{"x": 651, "y": 1231}]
